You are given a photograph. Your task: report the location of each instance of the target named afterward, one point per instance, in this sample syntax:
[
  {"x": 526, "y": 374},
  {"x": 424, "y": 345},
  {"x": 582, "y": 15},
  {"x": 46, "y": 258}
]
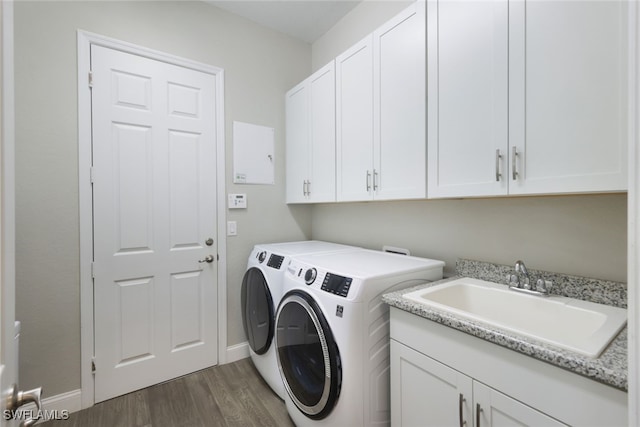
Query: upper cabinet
[
  {"x": 311, "y": 139},
  {"x": 381, "y": 111},
  {"x": 354, "y": 122},
  {"x": 468, "y": 97},
  {"x": 526, "y": 97},
  {"x": 568, "y": 96}
]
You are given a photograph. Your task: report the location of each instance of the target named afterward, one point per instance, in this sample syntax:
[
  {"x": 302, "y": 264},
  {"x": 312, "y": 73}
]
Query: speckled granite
[
  {"x": 582, "y": 288},
  {"x": 610, "y": 368}
]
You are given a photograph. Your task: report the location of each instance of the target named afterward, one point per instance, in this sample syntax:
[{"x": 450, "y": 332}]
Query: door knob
[
  {"x": 19, "y": 398},
  {"x": 208, "y": 258}
]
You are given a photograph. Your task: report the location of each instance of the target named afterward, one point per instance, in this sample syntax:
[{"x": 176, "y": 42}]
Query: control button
[
  {"x": 262, "y": 256},
  {"x": 310, "y": 276}
]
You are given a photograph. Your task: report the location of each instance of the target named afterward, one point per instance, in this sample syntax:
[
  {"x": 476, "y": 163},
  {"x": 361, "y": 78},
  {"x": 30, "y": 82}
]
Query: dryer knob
[
  {"x": 262, "y": 256},
  {"x": 310, "y": 276}
]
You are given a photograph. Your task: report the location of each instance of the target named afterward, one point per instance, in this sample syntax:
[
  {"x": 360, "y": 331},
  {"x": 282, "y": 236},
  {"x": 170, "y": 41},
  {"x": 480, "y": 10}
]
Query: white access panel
[{"x": 253, "y": 154}]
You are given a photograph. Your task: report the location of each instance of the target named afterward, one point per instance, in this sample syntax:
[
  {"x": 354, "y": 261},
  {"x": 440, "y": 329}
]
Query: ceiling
[{"x": 305, "y": 20}]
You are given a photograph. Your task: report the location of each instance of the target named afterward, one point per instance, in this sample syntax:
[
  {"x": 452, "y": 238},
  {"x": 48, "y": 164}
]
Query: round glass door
[
  {"x": 257, "y": 311},
  {"x": 308, "y": 356}
]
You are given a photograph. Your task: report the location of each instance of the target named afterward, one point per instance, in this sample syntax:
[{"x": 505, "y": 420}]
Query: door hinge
[
  {"x": 90, "y": 79},
  {"x": 93, "y": 274},
  {"x": 93, "y": 366},
  {"x": 218, "y": 257},
  {"x": 91, "y": 175}
]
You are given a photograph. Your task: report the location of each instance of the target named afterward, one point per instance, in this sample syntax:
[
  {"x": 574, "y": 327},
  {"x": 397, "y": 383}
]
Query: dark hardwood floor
[{"x": 226, "y": 395}]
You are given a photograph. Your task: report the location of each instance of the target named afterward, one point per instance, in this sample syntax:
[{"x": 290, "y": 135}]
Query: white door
[
  {"x": 425, "y": 392},
  {"x": 494, "y": 409},
  {"x": 468, "y": 97},
  {"x": 297, "y": 112},
  {"x": 568, "y": 96},
  {"x": 154, "y": 186},
  {"x": 399, "y": 99},
  {"x": 322, "y": 122},
  {"x": 11, "y": 397},
  {"x": 354, "y": 122}
]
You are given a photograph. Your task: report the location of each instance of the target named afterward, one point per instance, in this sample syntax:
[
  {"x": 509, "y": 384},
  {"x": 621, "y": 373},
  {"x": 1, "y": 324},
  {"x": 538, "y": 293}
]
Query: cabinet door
[
  {"x": 354, "y": 122},
  {"x": 568, "y": 95},
  {"x": 400, "y": 146},
  {"x": 425, "y": 392},
  {"x": 322, "y": 117},
  {"x": 467, "y": 47},
  {"x": 297, "y": 142},
  {"x": 494, "y": 409}
]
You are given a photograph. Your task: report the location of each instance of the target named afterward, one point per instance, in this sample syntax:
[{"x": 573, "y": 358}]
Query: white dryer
[
  {"x": 261, "y": 294},
  {"x": 332, "y": 334}
]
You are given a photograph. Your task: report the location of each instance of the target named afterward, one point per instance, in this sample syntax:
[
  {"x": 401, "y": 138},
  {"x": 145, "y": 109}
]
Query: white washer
[
  {"x": 332, "y": 334},
  {"x": 261, "y": 294}
]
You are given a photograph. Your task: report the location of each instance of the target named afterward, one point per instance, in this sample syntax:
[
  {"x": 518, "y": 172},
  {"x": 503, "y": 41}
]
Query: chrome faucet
[
  {"x": 522, "y": 282},
  {"x": 522, "y": 270}
]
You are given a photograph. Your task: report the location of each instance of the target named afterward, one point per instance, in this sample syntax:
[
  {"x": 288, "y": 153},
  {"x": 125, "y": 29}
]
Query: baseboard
[
  {"x": 58, "y": 406},
  {"x": 237, "y": 352}
]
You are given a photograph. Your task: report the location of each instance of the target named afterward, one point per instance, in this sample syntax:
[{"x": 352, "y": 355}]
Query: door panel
[
  {"x": 499, "y": 410},
  {"x": 298, "y": 144},
  {"x": 354, "y": 122},
  {"x": 468, "y": 97},
  {"x": 424, "y": 392},
  {"x": 186, "y": 310},
  {"x": 154, "y": 207},
  {"x": 135, "y": 319},
  {"x": 133, "y": 185},
  {"x": 568, "y": 103},
  {"x": 400, "y": 153}
]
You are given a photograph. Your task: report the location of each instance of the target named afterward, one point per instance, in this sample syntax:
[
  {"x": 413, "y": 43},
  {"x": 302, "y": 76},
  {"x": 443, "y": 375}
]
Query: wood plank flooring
[{"x": 227, "y": 395}]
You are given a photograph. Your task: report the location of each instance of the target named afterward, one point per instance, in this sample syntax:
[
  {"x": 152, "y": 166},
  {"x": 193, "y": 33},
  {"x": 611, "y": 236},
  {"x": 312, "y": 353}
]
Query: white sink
[{"x": 580, "y": 326}]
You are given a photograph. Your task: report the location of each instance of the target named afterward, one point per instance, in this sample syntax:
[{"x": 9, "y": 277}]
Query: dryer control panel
[{"x": 337, "y": 285}]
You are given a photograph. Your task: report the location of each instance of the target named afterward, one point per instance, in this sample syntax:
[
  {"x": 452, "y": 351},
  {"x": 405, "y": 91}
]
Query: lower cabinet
[
  {"x": 425, "y": 392},
  {"x": 441, "y": 376}
]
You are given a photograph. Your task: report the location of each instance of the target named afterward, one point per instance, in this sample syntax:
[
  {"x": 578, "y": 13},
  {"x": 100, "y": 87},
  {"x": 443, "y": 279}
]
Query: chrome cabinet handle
[
  {"x": 304, "y": 187},
  {"x": 461, "y": 401},
  {"x": 308, "y": 188},
  {"x": 478, "y": 411},
  {"x": 514, "y": 164},
  {"x": 208, "y": 258},
  {"x": 375, "y": 180},
  {"x": 498, "y": 157},
  {"x": 368, "y": 181},
  {"x": 19, "y": 398}
]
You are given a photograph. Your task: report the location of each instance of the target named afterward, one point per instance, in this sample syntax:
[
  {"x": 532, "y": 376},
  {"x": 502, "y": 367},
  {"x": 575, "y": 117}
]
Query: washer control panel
[
  {"x": 338, "y": 285},
  {"x": 275, "y": 261},
  {"x": 320, "y": 280}
]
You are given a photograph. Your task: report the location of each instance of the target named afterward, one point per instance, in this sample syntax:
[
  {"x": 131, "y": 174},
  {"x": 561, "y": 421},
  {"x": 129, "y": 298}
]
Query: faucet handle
[{"x": 543, "y": 286}]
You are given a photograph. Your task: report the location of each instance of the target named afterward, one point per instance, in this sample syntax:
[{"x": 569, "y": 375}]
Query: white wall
[
  {"x": 581, "y": 235},
  {"x": 260, "y": 65}
]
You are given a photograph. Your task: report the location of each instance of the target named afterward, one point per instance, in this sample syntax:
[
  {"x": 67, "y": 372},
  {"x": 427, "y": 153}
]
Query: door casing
[{"x": 85, "y": 40}]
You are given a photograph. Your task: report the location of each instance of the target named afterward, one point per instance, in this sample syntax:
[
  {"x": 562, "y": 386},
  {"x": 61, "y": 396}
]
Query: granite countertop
[{"x": 610, "y": 368}]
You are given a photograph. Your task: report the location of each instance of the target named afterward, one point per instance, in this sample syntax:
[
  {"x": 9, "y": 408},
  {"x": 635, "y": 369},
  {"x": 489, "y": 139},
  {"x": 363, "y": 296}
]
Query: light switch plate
[
  {"x": 237, "y": 201},
  {"x": 232, "y": 228}
]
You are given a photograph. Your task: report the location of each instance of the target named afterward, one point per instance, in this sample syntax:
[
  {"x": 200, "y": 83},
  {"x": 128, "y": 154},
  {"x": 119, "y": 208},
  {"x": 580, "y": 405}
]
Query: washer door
[
  {"x": 308, "y": 356},
  {"x": 257, "y": 310}
]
